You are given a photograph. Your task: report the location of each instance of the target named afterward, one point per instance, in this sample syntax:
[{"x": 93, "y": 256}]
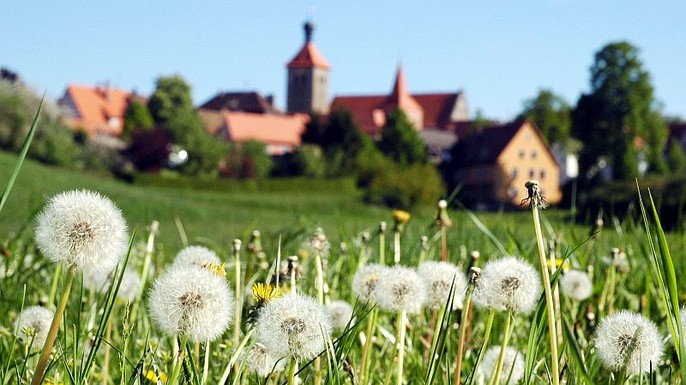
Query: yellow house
[{"x": 493, "y": 164}]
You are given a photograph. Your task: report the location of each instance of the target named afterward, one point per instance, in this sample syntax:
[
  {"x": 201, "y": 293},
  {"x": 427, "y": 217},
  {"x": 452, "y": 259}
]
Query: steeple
[
  {"x": 308, "y": 74},
  {"x": 401, "y": 99}
]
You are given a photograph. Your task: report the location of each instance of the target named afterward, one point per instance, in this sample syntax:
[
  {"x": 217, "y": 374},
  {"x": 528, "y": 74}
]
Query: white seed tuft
[
  {"x": 440, "y": 278},
  {"x": 196, "y": 255},
  {"x": 83, "y": 230},
  {"x": 576, "y": 284},
  {"x": 293, "y": 326},
  {"x": 513, "y": 365},
  {"x": 627, "y": 340},
  {"x": 193, "y": 301},
  {"x": 508, "y": 283},
  {"x": 366, "y": 280},
  {"x": 401, "y": 288},
  {"x": 34, "y": 322},
  {"x": 340, "y": 313}
]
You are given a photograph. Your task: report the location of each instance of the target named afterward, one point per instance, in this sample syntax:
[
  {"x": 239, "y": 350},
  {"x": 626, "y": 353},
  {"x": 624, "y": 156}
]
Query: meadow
[{"x": 392, "y": 338}]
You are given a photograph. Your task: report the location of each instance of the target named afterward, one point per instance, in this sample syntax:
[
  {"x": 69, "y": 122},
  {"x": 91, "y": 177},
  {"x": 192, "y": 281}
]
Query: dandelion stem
[
  {"x": 234, "y": 357},
  {"x": 238, "y": 292},
  {"x": 495, "y": 376},
  {"x": 402, "y": 321},
  {"x": 178, "y": 361},
  {"x": 54, "y": 328},
  {"x": 396, "y": 247},
  {"x": 292, "y": 368},
  {"x": 382, "y": 243},
  {"x": 320, "y": 299},
  {"x": 463, "y": 334},
  {"x": 206, "y": 363},
  {"x": 366, "y": 351},
  {"x": 149, "y": 248},
  {"x": 444, "y": 243},
  {"x": 487, "y": 337},
  {"x": 53, "y": 286},
  {"x": 550, "y": 306}
]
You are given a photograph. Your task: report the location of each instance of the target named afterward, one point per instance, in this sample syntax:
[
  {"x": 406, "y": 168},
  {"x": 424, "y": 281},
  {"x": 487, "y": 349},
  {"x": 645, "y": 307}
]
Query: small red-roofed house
[
  {"x": 493, "y": 164},
  {"x": 280, "y": 133},
  {"x": 96, "y": 110}
]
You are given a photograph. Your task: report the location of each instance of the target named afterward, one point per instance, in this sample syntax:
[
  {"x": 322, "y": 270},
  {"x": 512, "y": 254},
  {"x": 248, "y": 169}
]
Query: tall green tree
[
  {"x": 676, "y": 158},
  {"x": 618, "y": 121},
  {"x": 172, "y": 96},
  {"x": 400, "y": 140},
  {"x": 551, "y": 113},
  {"x": 137, "y": 116}
]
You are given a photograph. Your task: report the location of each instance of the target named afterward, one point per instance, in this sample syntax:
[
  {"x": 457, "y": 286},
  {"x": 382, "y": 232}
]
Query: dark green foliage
[
  {"x": 314, "y": 130},
  {"x": 551, "y": 113},
  {"x": 54, "y": 144},
  {"x": 247, "y": 160},
  {"x": 619, "y": 109},
  {"x": 137, "y": 116},
  {"x": 676, "y": 158},
  {"x": 400, "y": 140},
  {"x": 309, "y": 161},
  {"x": 172, "y": 96},
  {"x": 204, "y": 151}
]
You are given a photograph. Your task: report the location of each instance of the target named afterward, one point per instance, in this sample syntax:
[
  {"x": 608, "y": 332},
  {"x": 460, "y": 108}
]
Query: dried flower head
[
  {"x": 192, "y": 301},
  {"x": 261, "y": 362},
  {"x": 442, "y": 218},
  {"x": 534, "y": 197},
  {"x": 440, "y": 278},
  {"x": 293, "y": 326},
  {"x": 366, "y": 279},
  {"x": 317, "y": 243},
  {"x": 34, "y": 323},
  {"x": 83, "y": 230},
  {"x": 627, "y": 340},
  {"x": 576, "y": 284},
  {"x": 508, "y": 283},
  {"x": 513, "y": 365},
  {"x": 340, "y": 313},
  {"x": 401, "y": 288},
  {"x": 196, "y": 255}
]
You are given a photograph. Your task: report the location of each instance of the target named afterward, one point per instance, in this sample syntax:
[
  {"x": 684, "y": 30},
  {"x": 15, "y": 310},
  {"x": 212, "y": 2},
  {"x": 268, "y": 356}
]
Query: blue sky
[{"x": 500, "y": 52}]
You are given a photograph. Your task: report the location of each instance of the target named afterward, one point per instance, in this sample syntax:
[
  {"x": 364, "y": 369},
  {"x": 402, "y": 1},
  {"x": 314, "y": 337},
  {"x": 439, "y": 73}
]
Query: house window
[
  {"x": 532, "y": 173},
  {"x": 513, "y": 173},
  {"x": 527, "y": 136},
  {"x": 521, "y": 154},
  {"x": 511, "y": 192},
  {"x": 534, "y": 154},
  {"x": 541, "y": 175}
]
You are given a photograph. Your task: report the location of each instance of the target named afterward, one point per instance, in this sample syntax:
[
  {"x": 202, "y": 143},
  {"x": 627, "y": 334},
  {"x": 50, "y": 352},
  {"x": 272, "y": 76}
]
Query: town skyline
[{"x": 498, "y": 62}]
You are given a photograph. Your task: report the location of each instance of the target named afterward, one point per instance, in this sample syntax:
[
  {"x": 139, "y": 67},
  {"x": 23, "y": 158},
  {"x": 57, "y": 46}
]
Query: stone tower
[{"x": 308, "y": 78}]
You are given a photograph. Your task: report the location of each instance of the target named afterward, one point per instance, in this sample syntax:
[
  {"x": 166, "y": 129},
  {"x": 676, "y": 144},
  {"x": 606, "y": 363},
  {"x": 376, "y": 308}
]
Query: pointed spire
[
  {"x": 400, "y": 87},
  {"x": 309, "y": 29}
]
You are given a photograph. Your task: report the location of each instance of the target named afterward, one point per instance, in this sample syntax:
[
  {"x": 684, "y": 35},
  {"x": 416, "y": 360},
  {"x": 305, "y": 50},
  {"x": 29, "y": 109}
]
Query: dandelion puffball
[
  {"x": 191, "y": 301},
  {"x": 510, "y": 284},
  {"x": 440, "y": 278},
  {"x": 340, "y": 312},
  {"x": 576, "y": 284},
  {"x": 293, "y": 325},
  {"x": 401, "y": 289},
  {"x": 513, "y": 365},
  {"x": 366, "y": 279},
  {"x": 261, "y": 362},
  {"x": 628, "y": 339},
  {"x": 83, "y": 230},
  {"x": 34, "y": 322},
  {"x": 196, "y": 255}
]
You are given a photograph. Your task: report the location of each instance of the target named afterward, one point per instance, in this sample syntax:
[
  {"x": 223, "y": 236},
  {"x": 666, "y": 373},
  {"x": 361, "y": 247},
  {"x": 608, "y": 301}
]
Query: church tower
[{"x": 308, "y": 78}]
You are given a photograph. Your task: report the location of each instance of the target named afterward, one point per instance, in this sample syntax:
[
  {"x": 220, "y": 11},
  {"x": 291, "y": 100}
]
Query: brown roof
[
  {"x": 484, "y": 146},
  {"x": 400, "y": 97},
  {"x": 308, "y": 57},
  {"x": 363, "y": 110},
  {"x": 437, "y": 108},
  {"x": 250, "y": 101},
  {"x": 100, "y": 109}
]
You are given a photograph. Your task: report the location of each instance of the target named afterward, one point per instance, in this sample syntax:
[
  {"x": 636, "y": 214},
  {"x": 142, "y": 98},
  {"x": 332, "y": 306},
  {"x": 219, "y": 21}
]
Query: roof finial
[{"x": 309, "y": 28}]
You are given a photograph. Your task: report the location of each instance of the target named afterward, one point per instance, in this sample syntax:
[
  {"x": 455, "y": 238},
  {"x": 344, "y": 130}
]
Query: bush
[
  {"x": 54, "y": 144},
  {"x": 309, "y": 161}
]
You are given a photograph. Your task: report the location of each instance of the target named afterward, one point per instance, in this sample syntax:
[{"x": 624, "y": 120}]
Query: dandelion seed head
[
  {"x": 193, "y": 301},
  {"x": 197, "y": 256},
  {"x": 294, "y": 326},
  {"x": 366, "y": 279},
  {"x": 34, "y": 322},
  {"x": 261, "y": 362},
  {"x": 439, "y": 278},
  {"x": 340, "y": 313},
  {"x": 576, "y": 284},
  {"x": 508, "y": 283},
  {"x": 401, "y": 288},
  {"x": 628, "y": 339},
  {"x": 83, "y": 230},
  {"x": 513, "y": 365}
]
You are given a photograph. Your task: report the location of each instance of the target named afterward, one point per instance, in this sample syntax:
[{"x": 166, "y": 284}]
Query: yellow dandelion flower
[
  {"x": 559, "y": 263},
  {"x": 151, "y": 376},
  {"x": 216, "y": 268},
  {"x": 264, "y": 292},
  {"x": 401, "y": 217}
]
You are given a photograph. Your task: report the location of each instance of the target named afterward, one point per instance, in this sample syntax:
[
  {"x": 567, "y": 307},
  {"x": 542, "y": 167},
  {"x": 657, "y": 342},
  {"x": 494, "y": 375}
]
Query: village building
[
  {"x": 493, "y": 164},
  {"x": 96, "y": 110}
]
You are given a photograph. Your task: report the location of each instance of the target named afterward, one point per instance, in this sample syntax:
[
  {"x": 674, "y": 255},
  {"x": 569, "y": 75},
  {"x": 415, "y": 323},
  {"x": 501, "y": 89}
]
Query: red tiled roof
[
  {"x": 437, "y": 108},
  {"x": 400, "y": 97},
  {"x": 249, "y": 101},
  {"x": 484, "y": 146},
  {"x": 308, "y": 57},
  {"x": 362, "y": 108},
  {"x": 265, "y": 128},
  {"x": 100, "y": 109}
]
